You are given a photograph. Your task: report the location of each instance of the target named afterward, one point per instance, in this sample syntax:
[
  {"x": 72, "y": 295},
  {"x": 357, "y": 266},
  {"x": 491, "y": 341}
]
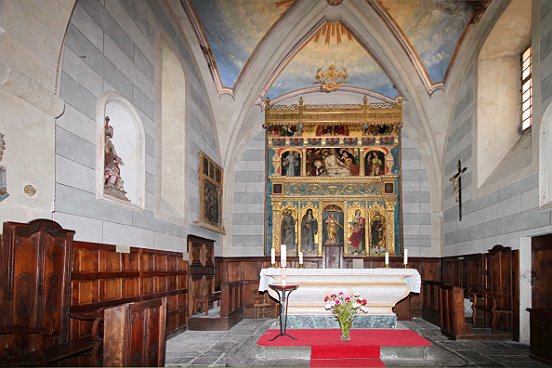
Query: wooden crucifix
[{"x": 457, "y": 187}]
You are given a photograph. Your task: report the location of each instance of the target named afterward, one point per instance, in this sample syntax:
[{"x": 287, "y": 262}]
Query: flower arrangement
[{"x": 345, "y": 309}]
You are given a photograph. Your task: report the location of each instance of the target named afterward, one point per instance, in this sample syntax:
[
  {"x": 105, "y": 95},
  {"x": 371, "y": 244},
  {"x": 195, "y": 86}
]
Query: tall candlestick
[
  {"x": 283, "y": 254},
  {"x": 300, "y": 258},
  {"x": 405, "y": 260},
  {"x": 273, "y": 256},
  {"x": 387, "y": 258}
]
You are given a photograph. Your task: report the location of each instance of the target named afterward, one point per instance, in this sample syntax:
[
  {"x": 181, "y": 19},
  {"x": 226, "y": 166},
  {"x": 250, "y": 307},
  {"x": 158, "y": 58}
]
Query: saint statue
[
  {"x": 113, "y": 182},
  {"x": 332, "y": 225},
  {"x": 288, "y": 230},
  {"x": 357, "y": 232},
  {"x": 375, "y": 165},
  {"x": 309, "y": 228}
]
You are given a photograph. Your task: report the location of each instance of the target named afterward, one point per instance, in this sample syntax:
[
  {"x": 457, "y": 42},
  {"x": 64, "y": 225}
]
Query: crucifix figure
[{"x": 457, "y": 187}]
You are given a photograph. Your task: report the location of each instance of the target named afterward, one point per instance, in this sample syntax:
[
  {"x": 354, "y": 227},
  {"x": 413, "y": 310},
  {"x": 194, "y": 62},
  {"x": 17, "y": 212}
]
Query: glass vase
[{"x": 345, "y": 330}]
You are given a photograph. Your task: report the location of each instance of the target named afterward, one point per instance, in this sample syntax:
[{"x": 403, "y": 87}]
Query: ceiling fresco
[
  {"x": 433, "y": 28},
  {"x": 234, "y": 28},
  {"x": 430, "y": 31},
  {"x": 332, "y": 44}
]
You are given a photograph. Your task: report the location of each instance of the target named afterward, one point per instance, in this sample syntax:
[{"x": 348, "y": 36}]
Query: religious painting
[
  {"x": 332, "y": 161},
  {"x": 377, "y": 231},
  {"x": 374, "y": 163},
  {"x": 323, "y": 130},
  {"x": 291, "y": 163},
  {"x": 288, "y": 228},
  {"x": 356, "y": 231},
  {"x": 320, "y": 193},
  {"x": 210, "y": 184},
  {"x": 332, "y": 218},
  {"x": 309, "y": 231}
]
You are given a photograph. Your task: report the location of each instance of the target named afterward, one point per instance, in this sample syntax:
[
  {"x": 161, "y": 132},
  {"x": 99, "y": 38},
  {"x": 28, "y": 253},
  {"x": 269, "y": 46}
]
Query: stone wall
[{"x": 112, "y": 48}]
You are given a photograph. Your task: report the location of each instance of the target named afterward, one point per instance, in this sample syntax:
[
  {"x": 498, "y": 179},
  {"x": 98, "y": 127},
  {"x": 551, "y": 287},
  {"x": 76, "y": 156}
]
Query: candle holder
[
  {"x": 273, "y": 265},
  {"x": 301, "y": 265},
  {"x": 386, "y": 266},
  {"x": 406, "y": 265}
]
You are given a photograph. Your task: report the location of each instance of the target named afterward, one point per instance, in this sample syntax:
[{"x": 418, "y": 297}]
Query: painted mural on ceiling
[
  {"x": 234, "y": 28},
  {"x": 433, "y": 28},
  {"x": 430, "y": 30},
  {"x": 332, "y": 44}
]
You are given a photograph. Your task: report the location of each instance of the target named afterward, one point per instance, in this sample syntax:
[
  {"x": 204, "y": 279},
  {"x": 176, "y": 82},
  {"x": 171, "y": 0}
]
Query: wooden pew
[
  {"x": 35, "y": 265},
  {"x": 452, "y": 312}
]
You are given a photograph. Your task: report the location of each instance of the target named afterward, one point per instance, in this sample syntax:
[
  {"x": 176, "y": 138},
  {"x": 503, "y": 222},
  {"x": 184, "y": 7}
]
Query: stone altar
[{"x": 382, "y": 287}]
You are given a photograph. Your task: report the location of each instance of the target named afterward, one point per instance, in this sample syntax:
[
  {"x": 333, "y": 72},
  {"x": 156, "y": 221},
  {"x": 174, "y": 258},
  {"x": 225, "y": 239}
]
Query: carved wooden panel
[
  {"x": 102, "y": 278},
  {"x": 134, "y": 334},
  {"x": 202, "y": 270},
  {"x": 35, "y": 262}
]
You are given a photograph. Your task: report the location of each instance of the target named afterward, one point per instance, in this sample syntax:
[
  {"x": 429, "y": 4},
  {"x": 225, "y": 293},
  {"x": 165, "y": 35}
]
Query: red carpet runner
[{"x": 329, "y": 351}]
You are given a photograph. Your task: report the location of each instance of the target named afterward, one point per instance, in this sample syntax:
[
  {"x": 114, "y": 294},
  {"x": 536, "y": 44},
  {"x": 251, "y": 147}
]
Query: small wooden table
[{"x": 283, "y": 294}]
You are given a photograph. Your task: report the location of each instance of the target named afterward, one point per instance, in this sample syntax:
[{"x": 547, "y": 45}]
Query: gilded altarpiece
[{"x": 333, "y": 178}]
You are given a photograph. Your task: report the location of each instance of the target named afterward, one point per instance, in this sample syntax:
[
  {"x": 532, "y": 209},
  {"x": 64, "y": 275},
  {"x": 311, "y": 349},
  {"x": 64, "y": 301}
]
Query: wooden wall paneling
[
  {"x": 202, "y": 271},
  {"x": 135, "y": 334},
  {"x": 501, "y": 285},
  {"x": 515, "y": 295}
]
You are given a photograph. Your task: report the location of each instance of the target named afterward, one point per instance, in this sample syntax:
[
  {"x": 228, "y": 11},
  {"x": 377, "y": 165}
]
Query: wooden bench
[{"x": 205, "y": 300}]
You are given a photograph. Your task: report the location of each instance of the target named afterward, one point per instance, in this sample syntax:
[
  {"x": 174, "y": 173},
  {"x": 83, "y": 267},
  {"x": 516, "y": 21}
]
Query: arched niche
[
  {"x": 127, "y": 137},
  {"x": 498, "y": 100},
  {"x": 170, "y": 173}
]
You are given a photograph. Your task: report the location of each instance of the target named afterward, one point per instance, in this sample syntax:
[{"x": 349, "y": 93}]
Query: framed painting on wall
[{"x": 210, "y": 194}]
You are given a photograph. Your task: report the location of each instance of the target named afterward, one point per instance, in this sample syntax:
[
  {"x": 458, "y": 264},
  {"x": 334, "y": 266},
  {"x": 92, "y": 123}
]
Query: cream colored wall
[{"x": 31, "y": 35}]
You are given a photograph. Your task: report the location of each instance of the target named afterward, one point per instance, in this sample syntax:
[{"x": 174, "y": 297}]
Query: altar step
[{"x": 213, "y": 321}]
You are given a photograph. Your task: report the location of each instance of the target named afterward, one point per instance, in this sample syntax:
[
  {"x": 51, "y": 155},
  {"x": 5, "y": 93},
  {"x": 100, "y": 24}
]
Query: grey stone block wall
[
  {"x": 249, "y": 196},
  {"x": 110, "y": 46},
  {"x": 507, "y": 214},
  {"x": 416, "y": 207},
  {"x": 249, "y": 191}
]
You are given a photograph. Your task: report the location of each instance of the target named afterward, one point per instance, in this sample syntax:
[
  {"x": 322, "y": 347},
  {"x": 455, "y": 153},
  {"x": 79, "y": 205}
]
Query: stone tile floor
[{"x": 237, "y": 348}]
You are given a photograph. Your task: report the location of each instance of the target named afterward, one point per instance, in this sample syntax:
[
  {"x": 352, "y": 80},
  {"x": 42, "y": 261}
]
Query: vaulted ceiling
[{"x": 231, "y": 32}]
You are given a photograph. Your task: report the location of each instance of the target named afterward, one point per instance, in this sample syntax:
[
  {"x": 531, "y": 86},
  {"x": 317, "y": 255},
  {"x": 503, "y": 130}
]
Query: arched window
[
  {"x": 500, "y": 139},
  {"x": 120, "y": 158},
  {"x": 171, "y": 133}
]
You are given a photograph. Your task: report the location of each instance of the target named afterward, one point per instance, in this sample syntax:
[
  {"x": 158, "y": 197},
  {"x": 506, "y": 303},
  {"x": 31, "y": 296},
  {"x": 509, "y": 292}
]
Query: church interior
[{"x": 158, "y": 158}]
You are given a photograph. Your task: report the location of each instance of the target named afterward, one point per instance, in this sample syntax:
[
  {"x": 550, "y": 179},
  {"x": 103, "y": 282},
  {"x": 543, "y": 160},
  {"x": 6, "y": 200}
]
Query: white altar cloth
[{"x": 382, "y": 287}]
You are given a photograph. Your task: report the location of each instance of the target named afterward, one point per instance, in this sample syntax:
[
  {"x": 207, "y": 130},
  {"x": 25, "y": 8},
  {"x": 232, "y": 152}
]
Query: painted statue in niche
[
  {"x": 356, "y": 239},
  {"x": 288, "y": 230},
  {"x": 309, "y": 229},
  {"x": 291, "y": 163},
  {"x": 375, "y": 163},
  {"x": 113, "y": 182},
  {"x": 333, "y": 225},
  {"x": 377, "y": 234}
]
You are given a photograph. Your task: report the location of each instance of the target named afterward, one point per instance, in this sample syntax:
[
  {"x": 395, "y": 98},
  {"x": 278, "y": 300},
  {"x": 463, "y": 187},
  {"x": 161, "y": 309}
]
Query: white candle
[
  {"x": 273, "y": 255},
  {"x": 405, "y": 261},
  {"x": 387, "y": 258},
  {"x": 283, "y": 254},
  {"x": 284, "y": 282},
  {"x": 300, "y": 258}
]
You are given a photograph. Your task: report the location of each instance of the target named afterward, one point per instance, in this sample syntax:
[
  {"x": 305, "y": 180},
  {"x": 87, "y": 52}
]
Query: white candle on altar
[
  {"x": 273, "y": 255},
  {"x": 300, "y": 258},
  {"x": 405, "y": 261},
  {"x": 387, "y": 258},
  {"x": 283, "y": 254}
]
